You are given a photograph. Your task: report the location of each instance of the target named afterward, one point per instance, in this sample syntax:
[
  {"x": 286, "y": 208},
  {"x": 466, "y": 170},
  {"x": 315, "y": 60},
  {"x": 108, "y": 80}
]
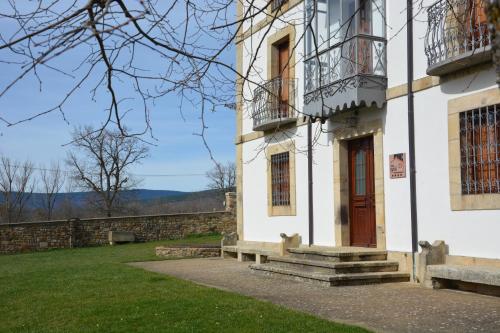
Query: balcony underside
[
  {"x": 271, "y": 124},
  {"x": 461, "y": 61},
  {"x": 359, "y": 91}
]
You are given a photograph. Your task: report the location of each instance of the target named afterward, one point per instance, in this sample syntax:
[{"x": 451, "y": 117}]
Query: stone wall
[{"x": 35, "y": 236}]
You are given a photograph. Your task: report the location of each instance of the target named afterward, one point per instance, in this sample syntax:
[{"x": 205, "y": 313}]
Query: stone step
[
  {"x": 338, "y": 255},
  {"x": 331, "y": 280},
  {"x": 329, "y": 267}
]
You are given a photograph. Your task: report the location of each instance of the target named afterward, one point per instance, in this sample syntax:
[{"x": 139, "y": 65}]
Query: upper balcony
[
  {"x": 457, "y": 36},
  {"x": 274, "y": 104},
  {"x": 345, "y": 65}
]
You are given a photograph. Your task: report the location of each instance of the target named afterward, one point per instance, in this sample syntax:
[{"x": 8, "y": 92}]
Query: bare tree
[
  {"x": 112, "y": 48},
  {"x": 16, "y": 188},
  {"x": 51, "y": 181},
  {"x": 104, "y": 162},
  {"x": 222, "y": 177},
  {"x": 67, "y": 208}
]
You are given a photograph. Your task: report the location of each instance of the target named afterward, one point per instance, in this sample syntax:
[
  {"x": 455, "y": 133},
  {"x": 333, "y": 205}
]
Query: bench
[
  {"x": 436, "y": 271},
  {"x": 229, "y": 251},
  {"x": 117, "y": 237},
  {"x": 256, "y": 251},
  {"x": 228, "y": 245},
  {"x": 257, "y": 255},
  {"x": 473, "y": 278},
  {"x": 247, "y": 253}
]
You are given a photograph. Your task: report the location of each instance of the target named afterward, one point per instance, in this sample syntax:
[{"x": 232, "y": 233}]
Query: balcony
[
  {"x": 273, "y": 104},
  {"x": 457, "y": 36},
  {"x": 350, "y": 74}
]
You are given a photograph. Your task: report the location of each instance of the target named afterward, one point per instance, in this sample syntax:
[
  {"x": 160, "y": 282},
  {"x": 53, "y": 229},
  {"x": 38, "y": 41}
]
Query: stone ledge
[
  {"x": 181, "y": 251},
  {"x": 477, "y": 274}
]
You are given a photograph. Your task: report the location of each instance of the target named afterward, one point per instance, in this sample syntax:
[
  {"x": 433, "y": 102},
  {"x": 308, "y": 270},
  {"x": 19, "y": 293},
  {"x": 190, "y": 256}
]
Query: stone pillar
[
  {"x": 72, "y": 231},
  {"x": 434, "y": 254},
  {"x": 230, "y": 202},
  {"x": 228, "y": 239},
  {"x": 288, "y": 242}
]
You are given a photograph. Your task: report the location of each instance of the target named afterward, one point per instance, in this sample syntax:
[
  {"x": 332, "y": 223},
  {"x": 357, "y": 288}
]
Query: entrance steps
[{"x": 333, "y": 266}]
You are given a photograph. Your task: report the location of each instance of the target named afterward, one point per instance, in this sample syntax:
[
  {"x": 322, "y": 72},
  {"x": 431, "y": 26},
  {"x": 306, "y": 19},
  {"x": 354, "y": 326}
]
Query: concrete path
[{"x": 396, "y": 307}]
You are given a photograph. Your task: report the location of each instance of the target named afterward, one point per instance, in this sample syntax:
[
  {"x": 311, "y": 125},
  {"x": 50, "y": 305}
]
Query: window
[
  {"x": 281, "y": 189},
  {"x": 277, "y": 4},
  {"x": 480, "y": 150},
  {"x": 280, "y": 179},
  {"x": 334, "y": 21}
]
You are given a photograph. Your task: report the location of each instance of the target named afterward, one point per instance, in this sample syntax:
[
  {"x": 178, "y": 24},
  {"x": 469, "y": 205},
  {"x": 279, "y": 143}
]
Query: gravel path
[{"x": 394, "y": 307}]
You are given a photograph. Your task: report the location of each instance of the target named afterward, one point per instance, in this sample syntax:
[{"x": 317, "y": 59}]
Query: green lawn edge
[{"x": 93, "y": 290}]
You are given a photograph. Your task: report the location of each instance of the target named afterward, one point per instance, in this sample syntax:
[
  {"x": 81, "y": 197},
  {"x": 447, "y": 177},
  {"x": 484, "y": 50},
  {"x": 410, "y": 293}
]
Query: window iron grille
[
  {"x": 480, "y": 150},
  {"x": 280, "y": 179}
]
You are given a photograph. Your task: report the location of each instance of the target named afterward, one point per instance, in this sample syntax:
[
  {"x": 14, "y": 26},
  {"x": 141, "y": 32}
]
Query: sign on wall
[{"x": 397, "y": 165}]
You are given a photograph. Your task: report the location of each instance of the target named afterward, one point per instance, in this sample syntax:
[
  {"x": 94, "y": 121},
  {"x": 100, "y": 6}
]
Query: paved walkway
[{"x": 396, "y": 307}]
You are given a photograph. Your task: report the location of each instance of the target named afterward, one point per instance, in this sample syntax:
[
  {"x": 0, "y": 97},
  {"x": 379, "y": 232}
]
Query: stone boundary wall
[{"x": 35, "y": 236}]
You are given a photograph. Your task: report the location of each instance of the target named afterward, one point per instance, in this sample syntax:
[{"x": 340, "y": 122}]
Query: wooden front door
[
  {"x": 283, "y": 74},
  {"x": 362, "y": 193}
]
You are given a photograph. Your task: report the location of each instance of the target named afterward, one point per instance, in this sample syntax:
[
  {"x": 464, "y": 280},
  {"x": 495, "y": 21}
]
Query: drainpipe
[
  {"x": 411, "y": 136},
  {"x": 310, "y": 180}
]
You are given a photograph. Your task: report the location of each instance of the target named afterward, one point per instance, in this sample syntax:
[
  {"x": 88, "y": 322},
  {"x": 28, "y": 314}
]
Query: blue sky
[{"x": 176, "y": 151}]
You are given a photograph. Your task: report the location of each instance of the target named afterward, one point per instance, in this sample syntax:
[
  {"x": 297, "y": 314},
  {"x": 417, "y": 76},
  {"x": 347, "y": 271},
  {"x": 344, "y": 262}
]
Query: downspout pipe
[
  {"x": 411, "y": 136},
  {"x": 310, "y": 181}
]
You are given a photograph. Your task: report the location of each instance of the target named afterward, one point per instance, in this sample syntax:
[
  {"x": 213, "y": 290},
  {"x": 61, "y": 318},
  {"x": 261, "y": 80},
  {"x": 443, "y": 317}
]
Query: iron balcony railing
[
  {"x": 456, "y": 29},
  {"x": 273, "y": 103},
  {"x": 359, "y": 55}
]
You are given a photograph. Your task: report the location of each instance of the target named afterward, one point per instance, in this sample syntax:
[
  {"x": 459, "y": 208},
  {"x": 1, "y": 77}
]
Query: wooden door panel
[
  {"x": 283, "y": 68},
  {"x": 362, "y": 193}
]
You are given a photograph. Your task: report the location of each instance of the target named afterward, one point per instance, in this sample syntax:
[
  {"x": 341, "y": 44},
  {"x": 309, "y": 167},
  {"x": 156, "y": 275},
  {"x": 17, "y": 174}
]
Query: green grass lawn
[{"x": 92, "y": 290}]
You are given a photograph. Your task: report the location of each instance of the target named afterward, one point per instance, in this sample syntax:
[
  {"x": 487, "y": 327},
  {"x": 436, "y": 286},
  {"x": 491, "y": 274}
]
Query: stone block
[
  {"x": 115, "y": 237},
  {"x": 230, "y": 202},
  {"x": 201, "y": 251},
  {"x": 288, "y": 242},
  {"x": 434, "y": 254},
  {"x": 229, "y": 239}
]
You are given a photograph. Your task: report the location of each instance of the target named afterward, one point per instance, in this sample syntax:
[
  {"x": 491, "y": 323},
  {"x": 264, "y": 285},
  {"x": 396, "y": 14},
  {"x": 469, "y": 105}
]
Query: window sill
[
  {"x": 475, "y": 202},
  {"x": 282, "y": 211}
]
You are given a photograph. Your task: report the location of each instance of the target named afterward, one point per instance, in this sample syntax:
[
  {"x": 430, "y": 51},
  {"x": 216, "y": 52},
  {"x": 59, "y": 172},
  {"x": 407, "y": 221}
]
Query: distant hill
[{"x": 79, "y": 198}]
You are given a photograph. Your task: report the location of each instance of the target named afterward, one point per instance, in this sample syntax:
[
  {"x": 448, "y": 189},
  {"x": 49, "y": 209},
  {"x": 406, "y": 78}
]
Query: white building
[{"x": 348, "y": 74}]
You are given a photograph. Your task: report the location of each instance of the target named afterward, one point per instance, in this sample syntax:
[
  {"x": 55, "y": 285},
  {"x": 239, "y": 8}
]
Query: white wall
[
  {"x": 468, "y": 233},
  {"x": 396, "y": 42},
  {"x": 258, "y": 226},
  {"x": 255, "y": 54},
  {"x": 397, "y": 191},
  {"x": 257, "y": 6}
]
